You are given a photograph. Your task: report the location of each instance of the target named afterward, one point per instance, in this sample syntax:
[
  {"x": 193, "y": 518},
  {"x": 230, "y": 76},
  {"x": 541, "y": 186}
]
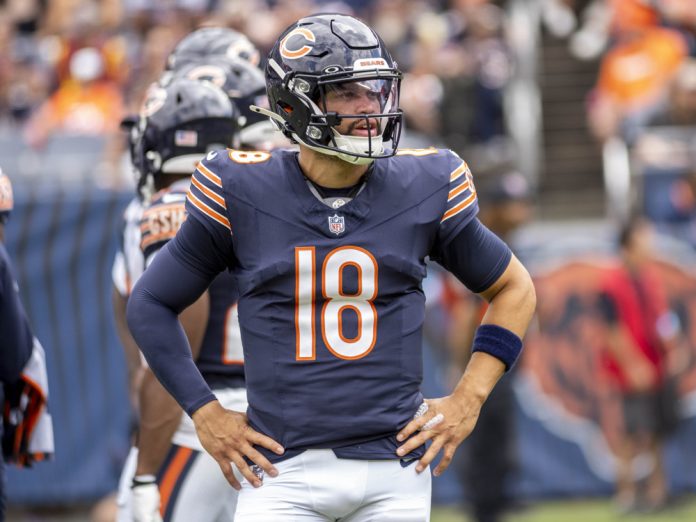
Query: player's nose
[{"x": 367, "y": 104}]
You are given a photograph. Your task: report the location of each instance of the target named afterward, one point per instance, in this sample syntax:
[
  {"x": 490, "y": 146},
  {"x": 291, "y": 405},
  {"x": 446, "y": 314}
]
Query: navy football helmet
[
  {"x": 204, "y": 43},
  {"x": 178, "y": 125},
  {"x": 243, "y": 83},
  {"x": 337, "y": 54}
]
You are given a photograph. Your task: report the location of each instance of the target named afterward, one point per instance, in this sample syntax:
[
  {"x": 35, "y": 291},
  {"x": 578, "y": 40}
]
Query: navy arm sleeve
[
  {"x": 476, "y": 256},
  {"x": 179, "y": 274},
  {"x": 15, "y": 335}
]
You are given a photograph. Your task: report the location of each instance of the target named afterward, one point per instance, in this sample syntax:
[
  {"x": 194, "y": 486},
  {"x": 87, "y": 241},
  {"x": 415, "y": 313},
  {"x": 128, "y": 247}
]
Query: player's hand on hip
[
  {"x": 146, "y": 503},
  {"x": 447, "y": 422},
  {"x": 227, "y": 436}
]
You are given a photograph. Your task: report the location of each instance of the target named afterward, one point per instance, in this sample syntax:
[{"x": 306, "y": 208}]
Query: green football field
[{"x": 580, "y": 511}]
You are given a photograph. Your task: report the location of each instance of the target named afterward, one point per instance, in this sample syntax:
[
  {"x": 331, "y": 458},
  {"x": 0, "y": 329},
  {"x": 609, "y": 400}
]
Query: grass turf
[{"x": 580, "y": 511}]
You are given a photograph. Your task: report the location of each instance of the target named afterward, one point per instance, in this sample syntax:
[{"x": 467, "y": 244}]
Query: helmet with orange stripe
[
  {"x": 339, "y": 56},
  {"x": 178, "y": 125}
]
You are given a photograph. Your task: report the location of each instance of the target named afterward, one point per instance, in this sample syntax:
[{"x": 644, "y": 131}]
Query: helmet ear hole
[{"x": 155, "y": 160}]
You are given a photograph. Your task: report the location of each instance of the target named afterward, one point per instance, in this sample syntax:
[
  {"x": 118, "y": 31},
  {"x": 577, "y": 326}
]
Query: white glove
[{"x": 146, "y": 502}]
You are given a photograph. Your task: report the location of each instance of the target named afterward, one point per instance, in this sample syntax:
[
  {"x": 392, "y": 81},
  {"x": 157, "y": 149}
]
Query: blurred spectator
[
  {"x": 473, "y": 67},
  {"x": 489, "y": 453},
  {"x": 629, "y": 16},
  {"x": 85, "y": 103},
  {"x": 641, "y": 355},
  {"x": 681, "y": 12},
  {"x": 681, "y": 106},
  {"x": 633, "y": 82}
]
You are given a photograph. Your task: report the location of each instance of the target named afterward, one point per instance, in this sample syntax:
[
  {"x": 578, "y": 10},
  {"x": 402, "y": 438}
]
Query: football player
[
  {"x": 227, "y": 59},
  {"x": 179, "y": 124},
  {"x": 328, "y": 246},
  {"x": 203, "y": 47},
  {"x": 207, "y": 42},
  {"x": 15, "y": 332}
]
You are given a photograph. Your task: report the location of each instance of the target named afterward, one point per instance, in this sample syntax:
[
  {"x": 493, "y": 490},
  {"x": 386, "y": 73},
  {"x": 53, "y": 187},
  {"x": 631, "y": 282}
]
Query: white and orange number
[{"x": 336, "y": 302}]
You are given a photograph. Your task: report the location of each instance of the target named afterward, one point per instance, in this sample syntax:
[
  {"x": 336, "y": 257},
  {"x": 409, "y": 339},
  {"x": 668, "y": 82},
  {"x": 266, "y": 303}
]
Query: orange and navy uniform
[
  {"x": 220, "y": 359},
  {"x": 331, "y": 301}
]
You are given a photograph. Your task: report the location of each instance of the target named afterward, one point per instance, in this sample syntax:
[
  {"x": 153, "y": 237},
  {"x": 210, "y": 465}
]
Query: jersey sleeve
[
  {"x": 476, "y": 256},
  {"x": 206, "y": 196},
  {"x": 462, "y": 204},
  {"x": 160, "y": 223},
  {"x": 207, "y": 213}
]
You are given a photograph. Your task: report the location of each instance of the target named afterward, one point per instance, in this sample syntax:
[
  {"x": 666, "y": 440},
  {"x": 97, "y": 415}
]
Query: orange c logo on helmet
[{"x": 293, "y": 54}]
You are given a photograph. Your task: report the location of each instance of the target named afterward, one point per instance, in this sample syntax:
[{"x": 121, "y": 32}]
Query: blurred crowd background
[{"x": 574, "y": 115}]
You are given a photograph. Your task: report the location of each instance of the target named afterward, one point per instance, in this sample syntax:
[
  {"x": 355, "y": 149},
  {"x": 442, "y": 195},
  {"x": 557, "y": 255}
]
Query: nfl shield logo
[{"x": 337, "y": 224}]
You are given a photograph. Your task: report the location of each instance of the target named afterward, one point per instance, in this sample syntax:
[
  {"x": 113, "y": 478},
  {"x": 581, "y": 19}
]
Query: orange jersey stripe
[
  {"x": 176, "y": 466},
  {"x": 212, "y": 177},
  {"x": 458, "y": 208},
  {"x": 209, "y": 211},
  {"x": 456, "y": 173},
  {"x": 212, "y": 195},
  {"x": 456, "y": 191}
]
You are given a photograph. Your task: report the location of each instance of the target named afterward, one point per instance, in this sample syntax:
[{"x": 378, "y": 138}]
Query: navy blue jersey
[
  {"x": 15, "y": 335},
  {"x": 331, "y": 306},
  {"x": 221, "y": 352}
]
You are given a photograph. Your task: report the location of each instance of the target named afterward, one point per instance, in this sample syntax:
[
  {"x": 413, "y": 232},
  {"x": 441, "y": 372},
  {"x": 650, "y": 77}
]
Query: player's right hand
[
  {"x": 146, "y": 503},
  {"x": 227, "y": 436}
]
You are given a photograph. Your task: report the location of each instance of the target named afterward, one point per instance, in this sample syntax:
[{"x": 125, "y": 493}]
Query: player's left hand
[{"x": 447, "y": 422}]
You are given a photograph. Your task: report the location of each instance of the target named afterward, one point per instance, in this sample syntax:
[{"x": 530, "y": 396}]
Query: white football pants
[{"x": 316, "y": 486}]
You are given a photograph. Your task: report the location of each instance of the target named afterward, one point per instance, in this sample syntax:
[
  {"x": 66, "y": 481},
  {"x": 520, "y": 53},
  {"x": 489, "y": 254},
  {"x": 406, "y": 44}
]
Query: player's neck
[{"x": 329, "y": 171}]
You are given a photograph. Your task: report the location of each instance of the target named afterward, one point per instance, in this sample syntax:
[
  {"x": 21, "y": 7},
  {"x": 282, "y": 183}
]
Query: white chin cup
[
  {"x": 355, "y": 144},
  {"x": 358, "y": 145}
]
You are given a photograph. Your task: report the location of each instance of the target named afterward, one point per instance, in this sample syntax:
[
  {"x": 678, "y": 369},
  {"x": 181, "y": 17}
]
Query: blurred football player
[
  {"x": 27, "y": 426},
  {"x": 174, "y": 478},
  {"x": 207, "y": 42},
  {"x": 328, "y": 247},
  {"x": 244, "y": 83},
  {"x": 214, "y": 54},
  {"x": 225, "y": 58},
  {"x": 15, "y": 332}
]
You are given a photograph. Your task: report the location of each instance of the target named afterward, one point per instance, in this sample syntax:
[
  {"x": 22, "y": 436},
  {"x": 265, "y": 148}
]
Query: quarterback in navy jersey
[{"x": 329, "y": 246}]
